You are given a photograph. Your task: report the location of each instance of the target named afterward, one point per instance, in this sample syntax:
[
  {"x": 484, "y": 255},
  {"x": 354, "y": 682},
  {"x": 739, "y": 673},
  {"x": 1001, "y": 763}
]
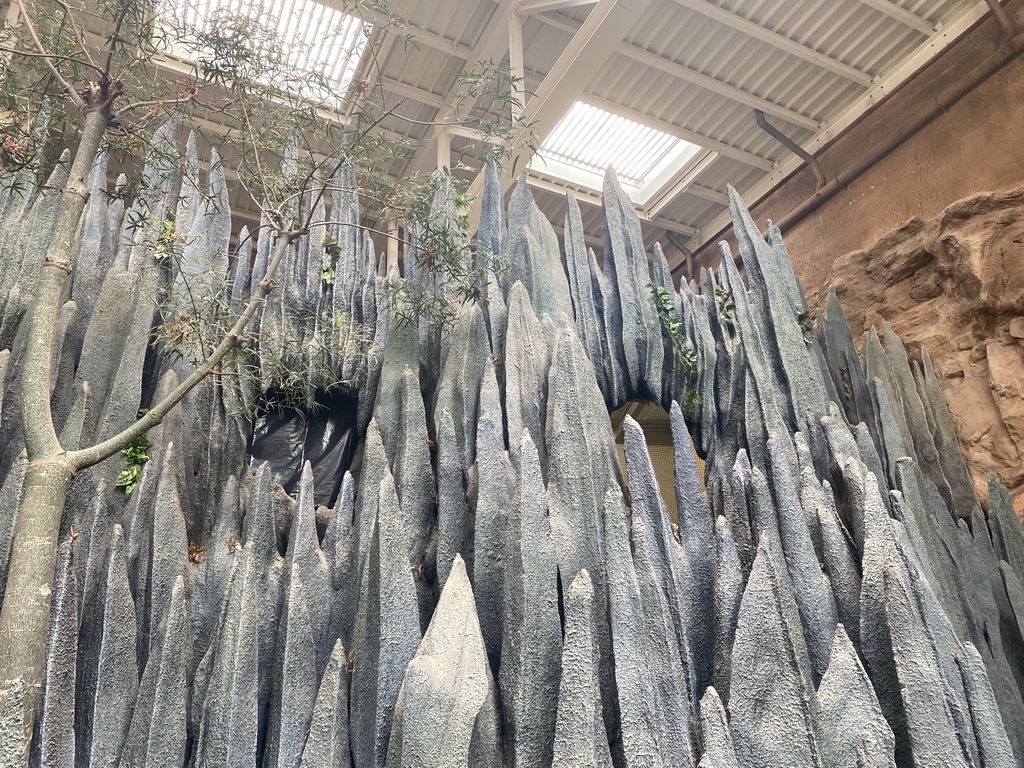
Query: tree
[{"x": 288, "y": 159}]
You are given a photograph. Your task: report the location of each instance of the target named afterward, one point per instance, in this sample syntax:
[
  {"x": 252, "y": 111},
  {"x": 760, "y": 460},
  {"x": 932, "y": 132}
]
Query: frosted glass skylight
[
  {"x": 314, "y": 39},
  {"x": 588, "y": 140}
]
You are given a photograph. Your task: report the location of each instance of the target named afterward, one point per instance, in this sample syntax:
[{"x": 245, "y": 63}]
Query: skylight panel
[
  {"x": 588, "y": 140},
  {"x": 313, "y": 38}
]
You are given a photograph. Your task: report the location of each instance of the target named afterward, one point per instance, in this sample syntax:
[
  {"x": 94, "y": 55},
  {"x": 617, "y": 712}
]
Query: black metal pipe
[
  {"x": 792, "y": 146},
  {"x": 997, "y": 59},
  {"x": 1001, "y": 56}
]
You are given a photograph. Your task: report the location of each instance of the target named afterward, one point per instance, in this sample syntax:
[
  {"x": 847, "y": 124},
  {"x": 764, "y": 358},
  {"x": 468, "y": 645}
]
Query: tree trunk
[{"x": 25, "y": 616}]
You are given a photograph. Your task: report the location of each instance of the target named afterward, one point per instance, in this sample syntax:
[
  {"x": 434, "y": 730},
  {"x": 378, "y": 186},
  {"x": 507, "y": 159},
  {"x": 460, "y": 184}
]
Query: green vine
[
  {"x": 726, "y": 306},
  {"x": 684, "y": 353},
  {"x": 135, "y": 455}
]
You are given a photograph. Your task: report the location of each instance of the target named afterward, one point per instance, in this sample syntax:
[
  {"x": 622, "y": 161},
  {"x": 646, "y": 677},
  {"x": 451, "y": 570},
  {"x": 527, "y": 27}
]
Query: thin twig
[
  {"x": 115, "y": 37},
  {"x": 193, "y": 92},
  {"x": 256, "y": 154},
  {"x": 77, "y": 32},
  {"x": 59, "y": 56},
  {"x": 77, "y": 100},
  {"x": 341, "y": 161}
]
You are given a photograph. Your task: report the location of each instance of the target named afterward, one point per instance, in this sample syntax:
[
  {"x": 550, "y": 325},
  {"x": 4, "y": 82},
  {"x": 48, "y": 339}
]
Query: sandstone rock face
[{"x": 955, "y": 284}]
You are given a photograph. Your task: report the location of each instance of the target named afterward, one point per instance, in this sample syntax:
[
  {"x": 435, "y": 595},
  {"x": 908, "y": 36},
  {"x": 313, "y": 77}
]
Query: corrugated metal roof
[{"x": 693, "y": 69}]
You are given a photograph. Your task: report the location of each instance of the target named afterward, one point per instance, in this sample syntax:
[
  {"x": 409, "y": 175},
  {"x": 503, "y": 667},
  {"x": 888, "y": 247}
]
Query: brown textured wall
[
  {"x": 955, "y": 283},
  {"x": 978, "y": 144}
]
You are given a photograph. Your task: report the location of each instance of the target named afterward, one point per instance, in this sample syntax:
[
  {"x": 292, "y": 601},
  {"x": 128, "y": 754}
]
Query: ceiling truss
[{"x": 691, "y": 204}]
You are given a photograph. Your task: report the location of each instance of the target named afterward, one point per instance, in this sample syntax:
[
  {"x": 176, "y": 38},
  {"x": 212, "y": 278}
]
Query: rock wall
[
  {"x": 491, "y": 590},
  {"x": 955, "y": 283}
]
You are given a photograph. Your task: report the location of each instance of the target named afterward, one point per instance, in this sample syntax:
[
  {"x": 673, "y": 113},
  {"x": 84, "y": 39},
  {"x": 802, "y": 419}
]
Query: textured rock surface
[
  {"x": 955, "y": 284},
  {"x": 491, "y": 590},
  {"x": 448, "y": 698}
]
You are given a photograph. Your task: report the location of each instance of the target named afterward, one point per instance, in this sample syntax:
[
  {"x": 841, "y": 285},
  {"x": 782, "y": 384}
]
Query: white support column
[
  {"x": 515, "y": 59},
  {"x": 392, "y": 247},
  {"x": 12, "y": 18},
  {"x": 491, "y": 46},
  {"x": 444, "y": 148}
]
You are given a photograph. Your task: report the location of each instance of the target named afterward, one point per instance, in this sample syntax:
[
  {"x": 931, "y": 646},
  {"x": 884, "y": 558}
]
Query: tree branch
[
  {"x": 47, "y": 57},
  {"x": 87, "y": 457},
  {"x": 192, "y": 93},
  {"x": 341, "y": 161},
  {"x": 77, "y": 32},
  {"x": 36, "y": 415},
  {"x": 115, "y": 37}
]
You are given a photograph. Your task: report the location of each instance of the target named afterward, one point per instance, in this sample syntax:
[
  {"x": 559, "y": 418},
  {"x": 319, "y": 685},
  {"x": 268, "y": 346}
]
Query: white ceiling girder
[
  {"x": 589, "y": 48},
  {"x": 783, "y": 43},
  {"x": 726, "y": 150},
  {"x": 593, "y": 242},
  {"x": 708, "y": 83},
  {"x": 407, "y": 91},
  {"x": 680, "y": 185},
  {"x": 705, "y": 193},
  {"x": 699, "y": 79},
  {"x": 901, "y": 15},
  {"x": 539, "y": 6},
  {"x": 492, "y": 45},
  {"x": 179, "y": 67},
  {"x": 418, "y": 35},
  {"x": 941, "y": 39}
]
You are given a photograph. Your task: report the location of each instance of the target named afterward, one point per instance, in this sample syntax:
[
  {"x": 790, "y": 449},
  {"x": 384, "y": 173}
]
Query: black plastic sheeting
[{"x": 325, "y": 437}]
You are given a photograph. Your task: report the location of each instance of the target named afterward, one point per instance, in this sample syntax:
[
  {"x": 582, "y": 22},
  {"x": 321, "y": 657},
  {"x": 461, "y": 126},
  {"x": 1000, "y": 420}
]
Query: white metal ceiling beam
[
  {"x": 594, "y": 242},
  {"x": 407, "y": 91},
  {"x": 594, "y": 199},
  {"x": 708, "y": 83},
  {"x": 776, "y": 40},
  {"x": 683, "y": 186},
  {"x": 586, "y": 52},
  {"x": 539, "y": 6},
  {"x": 726, "y": 150},
  {"x": 682, "y": 72},
  {"x": 417, "y": 35},
  {"x": 680, "y": 185},
  {"x": 516, "y": 64},
  {"x": 901, "y": 15},
  {"x": 491, "y": 46},
  {"x": 706, "y": 193},
  {"x": 939, "y": 40}
]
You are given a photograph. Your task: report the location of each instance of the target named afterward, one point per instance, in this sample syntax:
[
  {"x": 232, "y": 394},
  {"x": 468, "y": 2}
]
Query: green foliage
[
  {"x": 163, "y": 248},
  {"x": 135, "y": 456},
  {"x": 726, "y": 306},
  {"x": 290, "y": 136},
  {"x": 450, "y": 270},
  {"x": 803, "y": 319},
  {"x": 685, "y": 355},
  {"x": 672, "y": 326}
]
